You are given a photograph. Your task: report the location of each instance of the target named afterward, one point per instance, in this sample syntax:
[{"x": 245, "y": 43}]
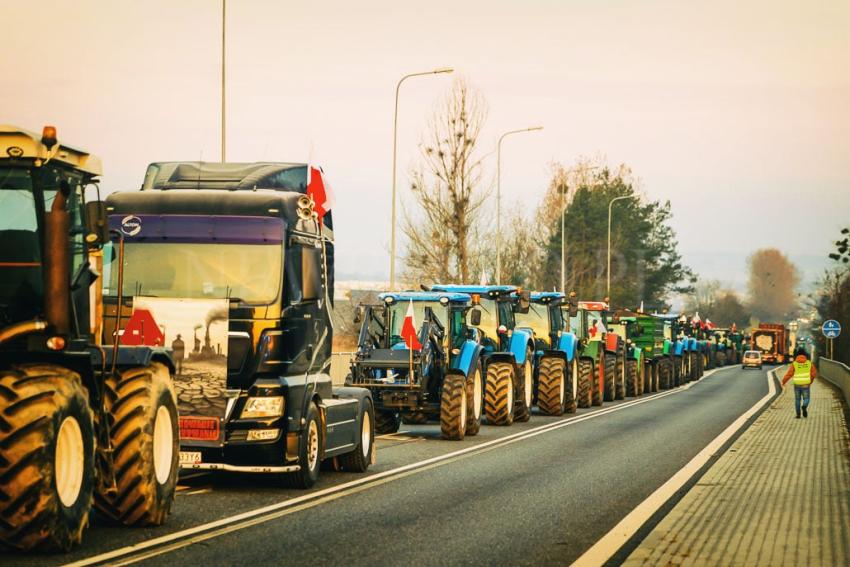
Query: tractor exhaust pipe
[{"x": 57, "y": 263}]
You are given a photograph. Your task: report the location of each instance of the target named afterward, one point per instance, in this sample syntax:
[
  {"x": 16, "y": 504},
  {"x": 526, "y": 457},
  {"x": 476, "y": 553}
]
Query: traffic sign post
[{"x": 831, "y": 330}]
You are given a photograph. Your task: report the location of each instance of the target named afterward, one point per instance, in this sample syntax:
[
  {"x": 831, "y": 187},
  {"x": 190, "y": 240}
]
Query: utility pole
[{"x": 223, "y": 64}]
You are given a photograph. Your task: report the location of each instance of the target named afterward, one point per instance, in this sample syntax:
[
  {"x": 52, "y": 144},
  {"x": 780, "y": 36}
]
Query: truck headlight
[{"x": 263, "y": 407}]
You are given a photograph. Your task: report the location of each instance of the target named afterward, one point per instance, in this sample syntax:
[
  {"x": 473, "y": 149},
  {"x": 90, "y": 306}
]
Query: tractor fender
[
  {"x": 679, "y": 348},
  {"x": 568, "y": 343},
  {"x": 668, "y": 346},
  {"x": 638, "y": 355},
  {"x": 137, "y": 356},
  {"x": 521, "y": 340},
  {"x": 469, "y": 353},
  {"x": 502, "y": 357},
  {"x": 692, "y": 344}
]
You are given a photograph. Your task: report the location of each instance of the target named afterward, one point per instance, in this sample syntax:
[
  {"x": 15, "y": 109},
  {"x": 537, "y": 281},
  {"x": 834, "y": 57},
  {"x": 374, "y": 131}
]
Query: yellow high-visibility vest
[{"x": 802, "y": 373}]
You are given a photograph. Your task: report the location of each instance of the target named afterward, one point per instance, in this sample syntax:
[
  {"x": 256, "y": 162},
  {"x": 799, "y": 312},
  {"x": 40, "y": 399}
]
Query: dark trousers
[{"x": 801, "y": 394}]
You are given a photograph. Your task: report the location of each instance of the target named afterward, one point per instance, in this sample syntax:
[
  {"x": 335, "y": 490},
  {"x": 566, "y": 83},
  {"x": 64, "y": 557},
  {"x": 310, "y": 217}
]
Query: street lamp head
[
  {"x": 533, "y": 128},
  {"x": 443, "y": 70}
]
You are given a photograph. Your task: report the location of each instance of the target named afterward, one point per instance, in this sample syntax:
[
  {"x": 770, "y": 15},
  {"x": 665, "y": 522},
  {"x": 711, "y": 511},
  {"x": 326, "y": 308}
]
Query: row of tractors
[{"x": 493, "y": 352}]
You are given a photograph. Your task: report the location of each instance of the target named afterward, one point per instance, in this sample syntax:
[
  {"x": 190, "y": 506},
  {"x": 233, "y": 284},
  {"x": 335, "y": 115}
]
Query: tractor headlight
[{"x": 263, "y": 407}]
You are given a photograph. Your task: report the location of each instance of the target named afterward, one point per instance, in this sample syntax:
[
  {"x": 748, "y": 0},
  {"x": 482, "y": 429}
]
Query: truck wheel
[
  {"x": 309, "y": 444},
  {"x": 474, "y": 400},
  {"x": 142, "y": 411},
  {"x": 585, "y": 383},
  {"x": 632, "y": 386},
  {"x": 414, "y": 417},
  {"x": 499, "y": 393},
  {"x": 453, "y": 407},
  {"x": 386, "y": 422},
  {"x": 525, "y": 392},
  {"x": 551, "y": 387},
  {"x": 47, "y": 471},
  {"x": 620, "y": 375},
  {"x": 721, "y": 359},
  {"x": 358, "y": 460},
  {"x": 610, "y": 375}
]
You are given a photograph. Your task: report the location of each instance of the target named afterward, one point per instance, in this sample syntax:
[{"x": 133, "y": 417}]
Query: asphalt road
[{"x": 542, "y": 492}]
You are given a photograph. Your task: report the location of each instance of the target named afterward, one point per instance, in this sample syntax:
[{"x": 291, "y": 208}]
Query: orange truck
[{"x": 771, "y": 340}]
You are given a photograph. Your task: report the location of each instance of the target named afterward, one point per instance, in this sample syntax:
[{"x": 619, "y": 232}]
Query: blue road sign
[{"x": 831, "y": 329}]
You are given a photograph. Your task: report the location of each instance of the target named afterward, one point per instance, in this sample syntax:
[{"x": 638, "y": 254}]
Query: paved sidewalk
[{"x": 779, "y": 496}]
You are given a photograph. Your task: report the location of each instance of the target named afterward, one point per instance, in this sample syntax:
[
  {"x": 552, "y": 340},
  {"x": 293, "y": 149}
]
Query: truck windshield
[
  {"x": 248, "y": 272},
  {"x": 20, "y": 253}
]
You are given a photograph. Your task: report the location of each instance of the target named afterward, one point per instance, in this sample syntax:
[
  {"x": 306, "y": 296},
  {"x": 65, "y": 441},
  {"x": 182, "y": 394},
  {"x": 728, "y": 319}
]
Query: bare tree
[
  {"x": 772, "y": 285},
  {"x": 448, "y": 192}
]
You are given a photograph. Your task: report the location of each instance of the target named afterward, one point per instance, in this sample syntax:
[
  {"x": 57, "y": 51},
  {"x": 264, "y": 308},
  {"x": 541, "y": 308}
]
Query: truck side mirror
[
  {"x": 475, "y": 317},
  {"x": 97, "y": 224},
  {"x": 523, "y": 302},
  {"x": 358, "y": 314},
  {"x": 573, "y": 303}
]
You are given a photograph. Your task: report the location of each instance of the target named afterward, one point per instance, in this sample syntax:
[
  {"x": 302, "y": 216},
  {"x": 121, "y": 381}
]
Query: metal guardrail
[
  {"x": 837, "y": 373},
  {"x": 340, "y": 367}
]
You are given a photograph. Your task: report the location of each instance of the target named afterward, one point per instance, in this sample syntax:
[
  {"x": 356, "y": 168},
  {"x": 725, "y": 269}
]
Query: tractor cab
[
  {"x": 45, "y": 244},
  {"x": 498, "y": 310}
]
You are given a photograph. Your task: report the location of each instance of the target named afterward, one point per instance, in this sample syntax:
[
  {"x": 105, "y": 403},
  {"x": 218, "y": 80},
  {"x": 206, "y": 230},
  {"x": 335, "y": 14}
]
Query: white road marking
[
  {"x": 608, "y": 545},
  {"x": 189, "y": 536}
]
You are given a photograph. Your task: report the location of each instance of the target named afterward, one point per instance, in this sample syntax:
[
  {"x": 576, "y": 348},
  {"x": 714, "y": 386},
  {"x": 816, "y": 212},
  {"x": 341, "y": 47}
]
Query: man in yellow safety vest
[{"x": 803, "y": 372}]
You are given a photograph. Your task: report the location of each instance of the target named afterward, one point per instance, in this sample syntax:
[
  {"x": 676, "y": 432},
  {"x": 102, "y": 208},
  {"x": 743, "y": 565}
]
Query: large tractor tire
[
  {"x": 414, "y": 418},
  {"x": 47, "y": 471},
  {"x": 694, "y": 367},
  {"x": 475, "y": 400},
  {"x": 309, "y": 446},
  {"x": 632, "y": 384},
  {"x": 620, "y": 376},
  {"x": 652, "y": 377},
  {"x": 142, "y": 411},
  {"x": 611, "y": 378},
  {"x": 571, "y": 387},
  {"x": 499, "y": 394},
  {"x": 586, "y": 376},
  {"x": 386, "y": 422},
  {"x": 551, "y": 385},
  {"x": 525, "y": 390},
  {"x": 721, "y": 359},
  {"x": 683, "y": 369},
  {"x": 453, "y": 406},
  {"x": 360, "y": 458},
  {"x": 665, "y": 379}
]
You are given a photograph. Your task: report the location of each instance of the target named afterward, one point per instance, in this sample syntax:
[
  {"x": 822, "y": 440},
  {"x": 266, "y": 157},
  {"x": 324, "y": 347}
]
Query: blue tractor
[
  {"x": 507, "y": 351},
  {"x": 441, "y": 380},
  {"x": 555, "y": 357}
]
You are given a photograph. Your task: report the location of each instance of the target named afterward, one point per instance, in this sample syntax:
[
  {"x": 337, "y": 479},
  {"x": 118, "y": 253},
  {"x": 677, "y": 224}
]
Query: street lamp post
[
  {"x": 395, "y": 132},
  {"x": 563, "y": 229},
  {"x": 499, "y": 198},
  {"x": 608, "y": 271}
]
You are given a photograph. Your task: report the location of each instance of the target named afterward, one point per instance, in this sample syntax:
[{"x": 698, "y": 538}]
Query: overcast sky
[{"x": 738, "y": 112}]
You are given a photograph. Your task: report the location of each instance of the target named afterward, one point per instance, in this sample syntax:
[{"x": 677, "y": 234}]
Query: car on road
[{"x": 752, "y": 358}]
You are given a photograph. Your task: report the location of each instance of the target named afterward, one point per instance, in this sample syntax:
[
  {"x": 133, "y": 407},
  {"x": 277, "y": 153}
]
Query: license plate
[{"x": 190, "y": 457}]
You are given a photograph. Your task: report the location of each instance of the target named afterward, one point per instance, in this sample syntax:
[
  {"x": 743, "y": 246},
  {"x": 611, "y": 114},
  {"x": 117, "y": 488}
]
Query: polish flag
[
  {"x": 320, "y": 191},
  {"x": 408, "y": 330},
  {"x": 696, "y": 320}
]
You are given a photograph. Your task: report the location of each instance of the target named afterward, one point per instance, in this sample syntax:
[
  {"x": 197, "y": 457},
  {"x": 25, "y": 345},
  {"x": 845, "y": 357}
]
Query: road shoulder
[{"x": 778, "y": 495}]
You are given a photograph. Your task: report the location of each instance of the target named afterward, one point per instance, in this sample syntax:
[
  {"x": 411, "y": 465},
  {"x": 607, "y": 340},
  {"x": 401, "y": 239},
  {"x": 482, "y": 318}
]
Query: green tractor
[{"x": 601, "y": 378}]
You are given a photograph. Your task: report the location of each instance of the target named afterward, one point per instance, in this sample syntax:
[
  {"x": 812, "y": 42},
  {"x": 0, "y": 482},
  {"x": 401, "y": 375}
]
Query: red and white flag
[
  {"x": 408, "y": 330},
  {"x": 696, "y": 320},
  {"x": 320, "y": 191}
]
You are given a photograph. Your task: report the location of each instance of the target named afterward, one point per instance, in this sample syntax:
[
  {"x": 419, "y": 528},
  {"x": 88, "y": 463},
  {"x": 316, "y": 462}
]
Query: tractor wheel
[
  {"x": 551, "y": 388},
  {"x": 309, "y": 445},
  {"x": 598, "y": 390},
  {"x": 453, "y": 407},
  {"x": 694, "y": 367},
  {"x": 683, "y": 369},
  {"x": 620, "y": 376},
  {"x": 474, "y": 400},
  {"x": 414, "y": 417},
  {"x": 359, "y": 459},
  {"x": 571, "y": 387},
  {"x": 525, "y": 392},
  {"x": 585, "y": 383},
  {"x": 47, "y": 471},
  {"x": 665, "y": 380},
  {"x": 142, "y": 411},
  {"x": 499, "y": 393},
  {"x": 700, "y": 366},
  {"x": 652, "y": 372},
  {"x": 721, "y": 359},
  {"x": 386, "y": 422},
  {"x": 632, "y": 385},
  {"x": 610, "y": 378}
]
